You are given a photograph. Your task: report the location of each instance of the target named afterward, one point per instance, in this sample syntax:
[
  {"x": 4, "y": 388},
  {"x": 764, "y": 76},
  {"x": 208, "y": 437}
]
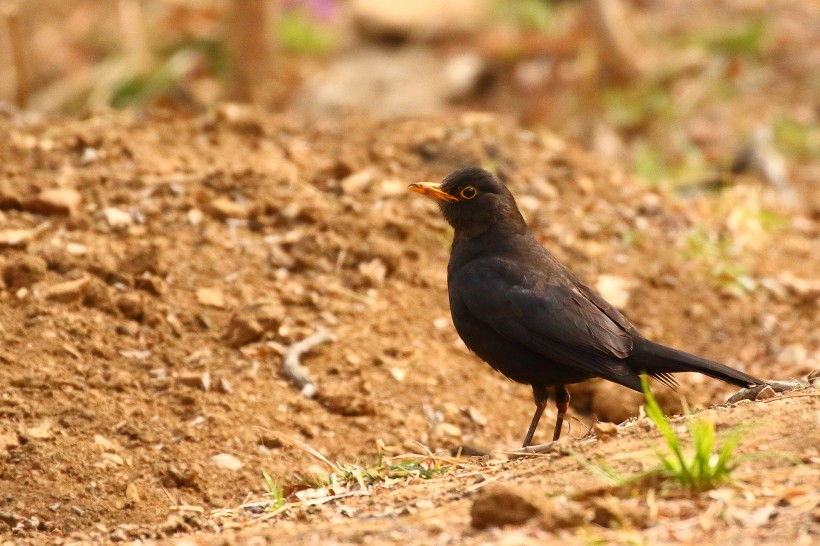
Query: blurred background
[{"x": 694, "y": 94}]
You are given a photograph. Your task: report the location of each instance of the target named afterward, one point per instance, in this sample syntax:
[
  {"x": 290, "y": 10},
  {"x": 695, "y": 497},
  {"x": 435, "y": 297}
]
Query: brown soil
[{"x": 146, "y": 309}]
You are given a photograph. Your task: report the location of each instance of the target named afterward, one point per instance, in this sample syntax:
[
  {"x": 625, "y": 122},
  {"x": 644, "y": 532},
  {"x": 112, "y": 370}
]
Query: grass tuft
[{"x": 708, "y": 466}]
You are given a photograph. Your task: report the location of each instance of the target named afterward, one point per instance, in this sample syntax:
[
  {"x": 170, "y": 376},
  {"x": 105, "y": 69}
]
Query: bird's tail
[{"x": 658, "y": 360}]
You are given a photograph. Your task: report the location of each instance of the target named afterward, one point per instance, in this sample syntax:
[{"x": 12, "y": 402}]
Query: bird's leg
[
  {"x": 539, "y": 393},
  {"x": 562, "y": 403}
]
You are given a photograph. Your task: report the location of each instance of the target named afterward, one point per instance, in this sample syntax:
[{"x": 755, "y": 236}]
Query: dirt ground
[{"x": 148, "y": 303}]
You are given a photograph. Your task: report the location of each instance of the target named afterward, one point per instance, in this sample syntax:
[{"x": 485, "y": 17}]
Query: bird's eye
[{"x": 468, "y": 192}]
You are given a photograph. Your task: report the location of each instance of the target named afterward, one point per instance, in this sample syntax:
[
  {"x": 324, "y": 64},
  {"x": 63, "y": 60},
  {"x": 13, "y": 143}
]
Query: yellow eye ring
[{"x": 468, "y": 192}]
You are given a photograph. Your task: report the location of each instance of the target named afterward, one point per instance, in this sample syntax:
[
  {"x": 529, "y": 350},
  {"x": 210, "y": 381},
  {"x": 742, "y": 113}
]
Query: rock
[
  {"x": 476, "y": 416},
  {"x": 105, "y": 443},
  {"x": 223, "y": 208},
  {"x": 8, "y": 441},
  {"x": 447, "y": 429},
  {"x": 16, "y": 238},
  {"x": 373, "y": 271},
  {"x": 766, "y": 393},
  {"x": 60, "y": 201},
  {"x": 605, "y": 431},
  {"x": 132, "y": 306},
  {"x": 358, "y": 182},
  {"x": 99, "y": 296},
  {"x": 420, "y": 19},
  {"x": 224, "y": 386},
  {"x": 497, "y": 505},
  {"x": 252, "y": 321},
  {"x": 23, "y": 271},
  {"x": 42, "y": 431},
  {"x": 143, "y": 258},
  {"x": 132, "y": 494},
  {"x": 67, "y": 292},
  {"x": 197, "y": 380},
  {"x": 150, "y": 283},
  {"x": 116, "y": 218},
  {"x": 212, "y": 297},
  {"x": 226, "y": 461},
  {"x": 463, "y": 73},
  {"x": 616, "y": 290}
]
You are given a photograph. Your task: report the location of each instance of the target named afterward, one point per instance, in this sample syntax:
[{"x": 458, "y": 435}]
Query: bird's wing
[{"x": 560, "y": 322}]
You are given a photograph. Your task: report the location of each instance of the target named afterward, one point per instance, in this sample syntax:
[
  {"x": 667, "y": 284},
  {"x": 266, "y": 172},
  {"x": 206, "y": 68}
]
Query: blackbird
[{"x": 524, "y": 313}]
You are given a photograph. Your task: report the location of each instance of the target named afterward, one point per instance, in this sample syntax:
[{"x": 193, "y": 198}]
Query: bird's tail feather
[{"x": 655, "y": 359}]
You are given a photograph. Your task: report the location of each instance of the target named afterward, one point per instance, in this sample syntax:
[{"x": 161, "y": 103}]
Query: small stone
[
  {"x": 223, "y": 208},
  {"x": 605, "y": 431},
  {"x": 8, "y": 441},
  {"x": 61, "y": 201},
  {"x": 270, "y": 441},
  {"x": 357, "y": 182},
  {"x": 116, "y": 218},
  {"x": 105, "y": 443},
  {"x": 392, "y": 187},
  {"x": 441, "y": 323},
  {"x": 476, "y": 416},
  {"x": 373, "y": 271},
  {"x": 498, "y": 505},
  {"x": 15, "y": 238},
  {"x": 132, "y": 306},
  {"x": 195, "y": 217},
  {"x": 766, "y": 393},
  {"x": 41, "y": 431},
  {"x": 212, "y": 297},
  {"x": 23, "y": 271},
  {"x": 132, "y": 493},
  {"x": 151, "y": 284},
  {"x": 398, "y": 374},
  {"x": 67, "y": 292},
  {"x": 143, "y": 258},
  {"x": 448, "y": 429},
  {"x": 252, "y": 321},
  {"x": 196, "y": 380},
  {"x": 223, "y": 386},
  {"x": 226, "y": 461}
]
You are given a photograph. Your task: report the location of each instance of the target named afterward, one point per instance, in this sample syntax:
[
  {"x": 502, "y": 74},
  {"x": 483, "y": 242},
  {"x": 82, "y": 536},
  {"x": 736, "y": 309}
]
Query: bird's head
[{"x": 472, "y": 201}]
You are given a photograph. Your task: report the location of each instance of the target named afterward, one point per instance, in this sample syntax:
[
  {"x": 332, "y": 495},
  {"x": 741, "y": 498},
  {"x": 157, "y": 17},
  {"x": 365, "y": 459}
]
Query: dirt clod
[
  {"x": 68, "y": 291},
  {"x": 23, "y": 271},
  {"x": 61, "y": 201},
  {"x": 499, "y": 505}
]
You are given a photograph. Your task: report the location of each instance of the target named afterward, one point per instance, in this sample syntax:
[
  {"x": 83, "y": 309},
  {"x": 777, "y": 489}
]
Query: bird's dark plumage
[{"x": 524, "y": 313}]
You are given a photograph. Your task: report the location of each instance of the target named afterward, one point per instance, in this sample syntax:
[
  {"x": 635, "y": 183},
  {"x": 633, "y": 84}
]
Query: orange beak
[{"x": 431, "y": 189}]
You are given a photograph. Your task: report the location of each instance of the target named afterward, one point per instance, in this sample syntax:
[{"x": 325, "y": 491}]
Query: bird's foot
[{"x": 532, "y": 450}]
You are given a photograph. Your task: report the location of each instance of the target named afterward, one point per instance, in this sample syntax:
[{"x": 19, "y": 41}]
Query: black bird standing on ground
[{"x": 528, "y": 316}]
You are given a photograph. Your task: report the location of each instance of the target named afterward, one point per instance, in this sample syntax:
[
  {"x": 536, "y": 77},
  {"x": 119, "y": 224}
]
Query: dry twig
[{"x": 293, "y": 368}]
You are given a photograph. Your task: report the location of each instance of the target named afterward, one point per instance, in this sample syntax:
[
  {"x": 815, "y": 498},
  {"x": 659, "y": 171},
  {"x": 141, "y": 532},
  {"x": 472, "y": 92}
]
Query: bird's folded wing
[{"x": 557, "y": 321}]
